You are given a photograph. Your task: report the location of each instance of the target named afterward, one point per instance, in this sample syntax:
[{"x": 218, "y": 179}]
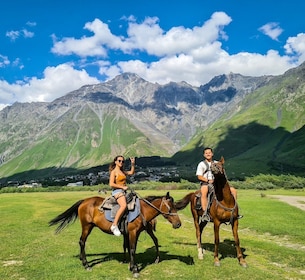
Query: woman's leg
[{"x": 122, "y": 202}]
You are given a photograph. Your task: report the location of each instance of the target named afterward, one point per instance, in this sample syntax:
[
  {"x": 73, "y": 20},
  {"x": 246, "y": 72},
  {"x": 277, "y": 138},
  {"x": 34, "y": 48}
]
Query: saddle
[
  {"x": 110, "y": 202},
  {"x": 110, "y": 207}
]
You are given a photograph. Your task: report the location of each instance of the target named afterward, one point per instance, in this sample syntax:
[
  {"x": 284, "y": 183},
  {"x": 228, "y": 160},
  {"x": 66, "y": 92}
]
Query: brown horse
[
  {"x": 90, "y": 216},
  {"x": 224, "y": 209}
]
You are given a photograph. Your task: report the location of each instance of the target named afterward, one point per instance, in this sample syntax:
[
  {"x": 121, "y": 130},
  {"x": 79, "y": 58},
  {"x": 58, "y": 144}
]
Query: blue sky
[{"x": 49, "y": 48}]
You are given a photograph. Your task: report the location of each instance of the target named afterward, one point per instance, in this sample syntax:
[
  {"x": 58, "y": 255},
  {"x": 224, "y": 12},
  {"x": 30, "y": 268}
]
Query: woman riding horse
[{"x": 87, "y": 210}]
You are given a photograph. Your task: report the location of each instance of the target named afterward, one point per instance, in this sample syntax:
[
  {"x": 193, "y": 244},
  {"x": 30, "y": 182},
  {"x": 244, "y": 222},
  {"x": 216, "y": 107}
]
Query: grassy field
[{"x": 271, "y": 235}]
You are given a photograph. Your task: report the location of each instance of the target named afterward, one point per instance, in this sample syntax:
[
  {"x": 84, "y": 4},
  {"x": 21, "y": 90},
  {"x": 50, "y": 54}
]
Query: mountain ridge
[{"x": 128, "y": 115}]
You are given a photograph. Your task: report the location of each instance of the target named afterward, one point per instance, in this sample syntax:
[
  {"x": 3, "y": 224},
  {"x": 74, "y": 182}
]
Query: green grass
[{"x": 271, "y": 236}]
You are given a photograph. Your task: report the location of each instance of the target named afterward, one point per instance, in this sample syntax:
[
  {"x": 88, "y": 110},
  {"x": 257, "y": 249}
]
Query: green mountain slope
[
  {"x": 263, "y": 134},
  {"x": 80, "y": 139}
]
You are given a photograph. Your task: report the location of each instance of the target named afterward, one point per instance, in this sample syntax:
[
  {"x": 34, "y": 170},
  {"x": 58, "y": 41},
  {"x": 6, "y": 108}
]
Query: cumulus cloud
[
  {"x": 96, "y": 45},
  {"x": 271, "y": 29},
  {"x": 56, "y": 82},
  {"x": 194, "y": 55},
  {"x": 296, "y": 46}
]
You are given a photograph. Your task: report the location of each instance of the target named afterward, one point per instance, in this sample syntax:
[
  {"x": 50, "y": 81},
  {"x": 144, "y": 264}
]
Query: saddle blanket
[{"x": 132, "y": 214}]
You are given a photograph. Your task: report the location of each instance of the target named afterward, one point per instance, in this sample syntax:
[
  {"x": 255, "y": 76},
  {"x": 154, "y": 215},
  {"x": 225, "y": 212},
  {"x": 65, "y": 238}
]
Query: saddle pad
[{"x": 132, "y": 214}]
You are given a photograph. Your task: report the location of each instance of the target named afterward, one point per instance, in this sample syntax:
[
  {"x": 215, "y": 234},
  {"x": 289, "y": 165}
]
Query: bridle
[{"x": 163, "y": 202}]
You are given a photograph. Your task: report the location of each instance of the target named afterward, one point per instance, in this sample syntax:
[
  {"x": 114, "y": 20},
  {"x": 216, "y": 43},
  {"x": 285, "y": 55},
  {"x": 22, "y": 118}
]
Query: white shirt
[{"x": 202, "y": 170}]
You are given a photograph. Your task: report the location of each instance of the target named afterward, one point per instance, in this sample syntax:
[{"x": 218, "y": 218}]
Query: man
[{"x": 206, "y": 178}]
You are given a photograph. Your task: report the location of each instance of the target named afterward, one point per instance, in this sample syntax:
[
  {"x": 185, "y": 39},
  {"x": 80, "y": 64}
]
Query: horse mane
[
  {"x": 182, "y": 203},
  {"x": 151, "y": 198}
]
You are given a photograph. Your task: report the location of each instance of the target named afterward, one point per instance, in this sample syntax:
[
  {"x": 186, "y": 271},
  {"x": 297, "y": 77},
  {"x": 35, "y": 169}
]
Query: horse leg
[
  {"x": 149, "y": 230},
  {"x": 86, "y": 230},
  {"x": 216, "y": 242},
  {"x": 126, "y": 247},
  {"x": 132, "y": 246},
  {"x": 199, "y": 229},
  {"x": 239, "y": 253}
]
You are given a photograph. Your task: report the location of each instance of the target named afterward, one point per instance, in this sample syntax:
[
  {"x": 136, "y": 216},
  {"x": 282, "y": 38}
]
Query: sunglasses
[{"x": 121, "y": 161}]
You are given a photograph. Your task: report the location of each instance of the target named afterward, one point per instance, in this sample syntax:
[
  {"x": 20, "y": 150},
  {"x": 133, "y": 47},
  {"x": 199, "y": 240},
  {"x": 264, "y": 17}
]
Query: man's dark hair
[{"x": 207, "y": 148}]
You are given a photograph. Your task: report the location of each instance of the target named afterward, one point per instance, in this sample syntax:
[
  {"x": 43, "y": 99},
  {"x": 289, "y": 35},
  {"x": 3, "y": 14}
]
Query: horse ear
[
  {"x": 167, "y": 195},
  {"x": 222, "y": 160}
]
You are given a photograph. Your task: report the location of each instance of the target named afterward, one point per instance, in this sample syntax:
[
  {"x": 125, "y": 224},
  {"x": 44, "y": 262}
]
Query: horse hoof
[
  {"x": 200, "y": 253},
  {"x": 217, "y": 264},
  {"x": 88, "y": 268},
  {"x": 136, "y": 275},
  {"x": 244, "y": 265}
]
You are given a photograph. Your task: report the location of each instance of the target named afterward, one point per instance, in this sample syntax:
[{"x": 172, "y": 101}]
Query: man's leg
[
  {"x": 204, "y": 202},
  {"x": 234, "y": 193}
]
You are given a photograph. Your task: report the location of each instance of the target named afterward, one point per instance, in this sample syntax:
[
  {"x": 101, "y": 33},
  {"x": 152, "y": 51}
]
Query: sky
[{"x": 50, "y": 48}]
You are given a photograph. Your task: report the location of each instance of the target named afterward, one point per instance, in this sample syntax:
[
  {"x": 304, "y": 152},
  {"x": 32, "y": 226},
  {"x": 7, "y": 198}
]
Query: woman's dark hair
[{"x": 112, "y": 164}]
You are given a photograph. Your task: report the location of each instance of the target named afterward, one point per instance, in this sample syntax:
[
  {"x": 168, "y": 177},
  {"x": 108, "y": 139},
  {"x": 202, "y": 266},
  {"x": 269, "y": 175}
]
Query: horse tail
[
  {"x": 182, "y": 203},
  {"x": 67, "y": 217}
]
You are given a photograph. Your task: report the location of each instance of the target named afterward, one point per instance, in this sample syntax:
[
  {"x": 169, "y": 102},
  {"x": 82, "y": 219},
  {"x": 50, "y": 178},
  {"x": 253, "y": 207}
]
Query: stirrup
[{"x": 204, "y": 218}]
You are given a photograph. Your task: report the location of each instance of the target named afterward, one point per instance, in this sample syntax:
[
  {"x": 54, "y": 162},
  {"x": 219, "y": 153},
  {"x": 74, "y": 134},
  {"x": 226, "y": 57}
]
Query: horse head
[
  {"x": 217, "y": 167},
  {"x": 169, "y": 211}
]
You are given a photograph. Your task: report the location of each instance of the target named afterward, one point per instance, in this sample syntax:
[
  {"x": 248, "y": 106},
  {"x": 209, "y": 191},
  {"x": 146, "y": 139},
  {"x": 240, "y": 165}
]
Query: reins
[{"x": 159, "y": 210}]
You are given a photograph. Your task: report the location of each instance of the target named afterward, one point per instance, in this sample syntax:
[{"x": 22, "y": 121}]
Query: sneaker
[{"x": 115, "y": 230}]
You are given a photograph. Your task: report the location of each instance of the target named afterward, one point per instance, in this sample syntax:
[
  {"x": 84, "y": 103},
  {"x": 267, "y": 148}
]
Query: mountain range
[{"x": 256, "y": 123}]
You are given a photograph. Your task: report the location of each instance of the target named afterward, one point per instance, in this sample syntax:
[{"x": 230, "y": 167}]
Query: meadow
[{"x": 271, "y": 234}]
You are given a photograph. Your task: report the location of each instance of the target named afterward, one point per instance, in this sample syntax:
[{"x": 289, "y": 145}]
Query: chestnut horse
[
  {"x": 90, "y": 216},
  {"x": 224, "y": 209}
]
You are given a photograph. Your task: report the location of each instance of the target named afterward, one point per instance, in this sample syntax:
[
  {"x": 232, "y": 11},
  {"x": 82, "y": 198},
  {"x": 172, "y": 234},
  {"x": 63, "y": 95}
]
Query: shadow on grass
[
  {"x": 226, "y": 248},
  {"x": 143, "y": 259}
]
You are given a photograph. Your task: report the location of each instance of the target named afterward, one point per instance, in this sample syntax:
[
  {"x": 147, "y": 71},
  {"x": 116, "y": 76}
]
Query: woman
[{"x": 117, "y": 182}]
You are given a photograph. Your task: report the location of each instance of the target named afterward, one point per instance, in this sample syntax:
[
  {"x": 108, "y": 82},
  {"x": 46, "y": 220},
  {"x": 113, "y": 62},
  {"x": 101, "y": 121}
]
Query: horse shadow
[
  {"x": 144, "y": 259},
  {"x": 226, "y": 248}
]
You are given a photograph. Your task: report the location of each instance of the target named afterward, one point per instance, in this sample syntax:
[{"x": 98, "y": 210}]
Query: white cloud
[
  {"x": 56, "y": 82},
  {"x": 95, "y": 45},
  {"x": 27, "y": 34},
  {"x": 13, "y": 35},
  {"x": 4, "y": 61},
  {"x": 31, "y": 23},
  {"x": 148, "y": 36},
  {"x": 296, "y": 46},
  {"x": 194, "y": 55},
  {"x": 271, "y": 29}
]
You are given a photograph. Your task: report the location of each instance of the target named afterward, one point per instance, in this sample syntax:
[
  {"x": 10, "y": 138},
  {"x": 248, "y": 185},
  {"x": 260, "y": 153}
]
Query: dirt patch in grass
[
  {"x": 296, "y": 201},
  {"x": 12, "y": 262}
]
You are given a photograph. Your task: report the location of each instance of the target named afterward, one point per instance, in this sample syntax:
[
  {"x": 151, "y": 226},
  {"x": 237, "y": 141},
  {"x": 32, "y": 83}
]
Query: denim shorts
[{"x": 116, "y": 191}]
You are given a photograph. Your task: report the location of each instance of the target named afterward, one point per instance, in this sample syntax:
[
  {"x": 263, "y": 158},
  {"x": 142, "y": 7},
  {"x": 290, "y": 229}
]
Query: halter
[{"x": 159, "y": 210}]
